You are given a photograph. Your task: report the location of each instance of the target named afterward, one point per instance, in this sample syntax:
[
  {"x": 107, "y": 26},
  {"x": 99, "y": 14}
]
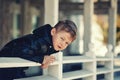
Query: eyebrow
[
  {"x": 63, "y": 38},
  {"x": 67, "y": 41}
]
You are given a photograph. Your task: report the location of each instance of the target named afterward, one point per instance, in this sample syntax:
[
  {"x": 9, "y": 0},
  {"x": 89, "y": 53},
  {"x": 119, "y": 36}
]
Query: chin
[{"x": 56, "y": 49}]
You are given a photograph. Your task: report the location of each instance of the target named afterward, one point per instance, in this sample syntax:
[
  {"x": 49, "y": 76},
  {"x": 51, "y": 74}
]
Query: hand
[{"x": 47, "y": 61}]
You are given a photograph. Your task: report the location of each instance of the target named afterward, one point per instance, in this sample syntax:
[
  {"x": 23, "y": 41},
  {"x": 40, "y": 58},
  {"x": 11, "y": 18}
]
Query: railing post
[
  {"x": 51, "y": 16},
  {"x": 110, "y": 65},
  {"x": 91, "y": 66},
  {"x": 56, "y": 70}
]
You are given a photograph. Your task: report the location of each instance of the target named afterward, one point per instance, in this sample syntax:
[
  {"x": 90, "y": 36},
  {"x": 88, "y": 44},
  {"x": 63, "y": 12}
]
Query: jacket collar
[{"x": 45, "y": 32}]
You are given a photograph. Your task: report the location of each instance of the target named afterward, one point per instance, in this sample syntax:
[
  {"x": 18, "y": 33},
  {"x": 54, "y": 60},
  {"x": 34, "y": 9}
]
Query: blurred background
[
  {"x": 99, "y": 25},
  {"x": 20, "y": 17}
]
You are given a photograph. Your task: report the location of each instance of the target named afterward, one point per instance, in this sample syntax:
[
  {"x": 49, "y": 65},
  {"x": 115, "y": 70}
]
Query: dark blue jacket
[{"x": 32, "y": 46}]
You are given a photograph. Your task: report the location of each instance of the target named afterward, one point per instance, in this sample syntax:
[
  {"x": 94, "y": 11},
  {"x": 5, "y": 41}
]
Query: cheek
[
  {"x": 55, "y": 41},
  {"x": 65, "y": 47}
]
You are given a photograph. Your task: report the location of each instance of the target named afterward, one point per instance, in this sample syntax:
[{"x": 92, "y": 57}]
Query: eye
[
  {"x": 67, "y": 43},
  {"x": 62, "y": 39}
]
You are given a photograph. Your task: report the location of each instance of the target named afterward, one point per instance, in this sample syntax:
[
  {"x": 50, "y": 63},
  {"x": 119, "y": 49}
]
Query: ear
[{"x": 53, "y": 31}]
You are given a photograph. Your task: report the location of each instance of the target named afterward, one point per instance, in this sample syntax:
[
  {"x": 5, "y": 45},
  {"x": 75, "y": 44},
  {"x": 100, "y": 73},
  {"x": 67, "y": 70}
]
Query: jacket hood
[{"x": 44, "y": 31}]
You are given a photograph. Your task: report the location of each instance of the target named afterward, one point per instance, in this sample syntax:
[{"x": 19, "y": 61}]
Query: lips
[{"x": 59, "y": 47}]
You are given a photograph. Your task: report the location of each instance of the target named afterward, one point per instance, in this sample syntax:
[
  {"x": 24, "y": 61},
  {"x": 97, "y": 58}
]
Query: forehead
[
  {"x": 72, "y": 32},
  {"x": 65, "y": 35}
]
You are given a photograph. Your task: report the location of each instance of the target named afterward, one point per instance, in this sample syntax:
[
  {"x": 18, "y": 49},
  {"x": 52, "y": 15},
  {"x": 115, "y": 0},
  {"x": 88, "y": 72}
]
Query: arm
[
  {"x": 44, "y": 60},
  {"x": 38, "y": 59},
  {"x": 26, "y": 53}
]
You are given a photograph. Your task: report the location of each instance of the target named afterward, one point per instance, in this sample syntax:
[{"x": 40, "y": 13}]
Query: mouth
[{"x": 59, "y": 47}]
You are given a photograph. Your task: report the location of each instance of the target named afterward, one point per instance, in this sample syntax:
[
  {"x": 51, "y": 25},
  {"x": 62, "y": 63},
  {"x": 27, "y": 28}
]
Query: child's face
[{"x": 61, "y": 39}]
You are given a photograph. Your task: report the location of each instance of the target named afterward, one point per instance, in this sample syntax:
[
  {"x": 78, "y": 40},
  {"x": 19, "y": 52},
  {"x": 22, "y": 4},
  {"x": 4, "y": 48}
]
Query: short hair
[{"x": 68, "y": 26}]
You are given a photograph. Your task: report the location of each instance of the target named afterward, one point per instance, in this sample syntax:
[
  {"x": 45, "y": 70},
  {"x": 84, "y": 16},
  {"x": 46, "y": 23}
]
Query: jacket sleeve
[
  {"x": 33, "y": 54},
  {"x": 27, "y": 56},
  {"x": 10, "y": 50},
  {"x": 6, "y": 51}
]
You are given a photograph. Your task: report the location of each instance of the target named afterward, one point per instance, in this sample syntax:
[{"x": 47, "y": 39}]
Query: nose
[{"x": 63, "y": 44}]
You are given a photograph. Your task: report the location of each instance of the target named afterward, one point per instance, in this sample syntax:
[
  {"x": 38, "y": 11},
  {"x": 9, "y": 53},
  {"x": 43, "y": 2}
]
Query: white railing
[{"x": 89, "y": 69}]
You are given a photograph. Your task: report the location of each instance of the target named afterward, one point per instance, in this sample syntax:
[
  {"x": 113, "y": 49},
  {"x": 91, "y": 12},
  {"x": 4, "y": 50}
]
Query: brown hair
[{"x": 68, "y": 26}]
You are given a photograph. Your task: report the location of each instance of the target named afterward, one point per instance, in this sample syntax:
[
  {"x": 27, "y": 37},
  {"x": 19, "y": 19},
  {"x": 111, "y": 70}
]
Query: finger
[
  {"x": 44, "y": 66},
  {"x": 51, "y": 61},
  {"x": 53, "y": 57}
]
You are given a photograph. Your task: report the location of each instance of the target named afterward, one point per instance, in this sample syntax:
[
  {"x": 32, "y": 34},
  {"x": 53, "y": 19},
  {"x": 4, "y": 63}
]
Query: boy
[{"x": 39, "y": 46}]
